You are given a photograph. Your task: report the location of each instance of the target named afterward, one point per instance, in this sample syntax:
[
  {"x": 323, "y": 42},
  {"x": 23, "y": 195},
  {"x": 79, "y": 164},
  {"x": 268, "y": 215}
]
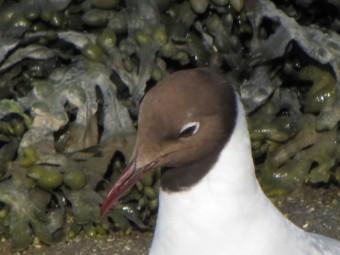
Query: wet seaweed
[{"x": 74, "y": 72}]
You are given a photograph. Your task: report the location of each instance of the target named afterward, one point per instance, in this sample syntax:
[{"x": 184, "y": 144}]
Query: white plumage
[{"x": 227, "y": 213}]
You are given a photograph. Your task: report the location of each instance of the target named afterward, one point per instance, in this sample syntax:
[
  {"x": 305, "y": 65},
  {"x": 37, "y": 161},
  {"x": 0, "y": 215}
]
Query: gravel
[{"x": 314, "y": 209}]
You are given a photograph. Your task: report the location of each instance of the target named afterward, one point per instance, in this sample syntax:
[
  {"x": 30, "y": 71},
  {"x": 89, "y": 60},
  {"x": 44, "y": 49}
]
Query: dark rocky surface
[{"x": 314, "y": 209}]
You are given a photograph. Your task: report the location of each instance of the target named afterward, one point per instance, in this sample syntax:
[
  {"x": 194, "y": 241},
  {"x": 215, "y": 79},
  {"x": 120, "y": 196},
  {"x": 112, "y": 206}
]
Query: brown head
[{"x": 184, "y": 122}]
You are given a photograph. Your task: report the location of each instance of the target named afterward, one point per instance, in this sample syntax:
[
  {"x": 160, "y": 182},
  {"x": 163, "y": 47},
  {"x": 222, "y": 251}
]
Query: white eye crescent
[{"x": 189, "y": 129}]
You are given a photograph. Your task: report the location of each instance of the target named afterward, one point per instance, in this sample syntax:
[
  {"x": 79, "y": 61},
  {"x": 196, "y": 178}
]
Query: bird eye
[{"x": 189, "y": 129}]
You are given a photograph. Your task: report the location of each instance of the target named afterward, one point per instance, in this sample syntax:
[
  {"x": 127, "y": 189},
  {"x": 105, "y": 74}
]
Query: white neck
[{"x": 220, "y": 214}]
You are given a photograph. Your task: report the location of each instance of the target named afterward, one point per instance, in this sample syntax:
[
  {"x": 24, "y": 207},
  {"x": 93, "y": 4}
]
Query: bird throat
[{"x": 174, "y": 179}]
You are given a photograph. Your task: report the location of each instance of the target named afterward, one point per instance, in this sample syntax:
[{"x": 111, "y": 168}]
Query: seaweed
[{"x": 74, "y": 72}]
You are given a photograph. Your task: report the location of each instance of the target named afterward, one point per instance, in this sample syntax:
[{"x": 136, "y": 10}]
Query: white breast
[{"x": 227, "y": 213}]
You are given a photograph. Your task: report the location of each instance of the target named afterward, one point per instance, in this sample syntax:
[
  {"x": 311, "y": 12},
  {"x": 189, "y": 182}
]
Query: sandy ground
[
  {"x": 314, "y": 209},
  {"x": 134, "y": 244}
]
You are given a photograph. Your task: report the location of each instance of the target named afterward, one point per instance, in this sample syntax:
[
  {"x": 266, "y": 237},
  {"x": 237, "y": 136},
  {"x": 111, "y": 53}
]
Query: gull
[{"x": 193, "y": 126}]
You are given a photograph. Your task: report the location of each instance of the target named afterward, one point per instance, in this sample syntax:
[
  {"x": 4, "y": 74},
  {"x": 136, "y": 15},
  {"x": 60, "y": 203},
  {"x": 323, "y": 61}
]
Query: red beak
[{"x": 125, "y": 181}]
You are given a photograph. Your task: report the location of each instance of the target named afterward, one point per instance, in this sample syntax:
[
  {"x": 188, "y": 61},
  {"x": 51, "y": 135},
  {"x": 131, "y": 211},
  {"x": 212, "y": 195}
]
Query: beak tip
[
  {"x": 102, "y": 211},
  {"x": 106, "y": 205},
  {"x": 127, "y": 179}
]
